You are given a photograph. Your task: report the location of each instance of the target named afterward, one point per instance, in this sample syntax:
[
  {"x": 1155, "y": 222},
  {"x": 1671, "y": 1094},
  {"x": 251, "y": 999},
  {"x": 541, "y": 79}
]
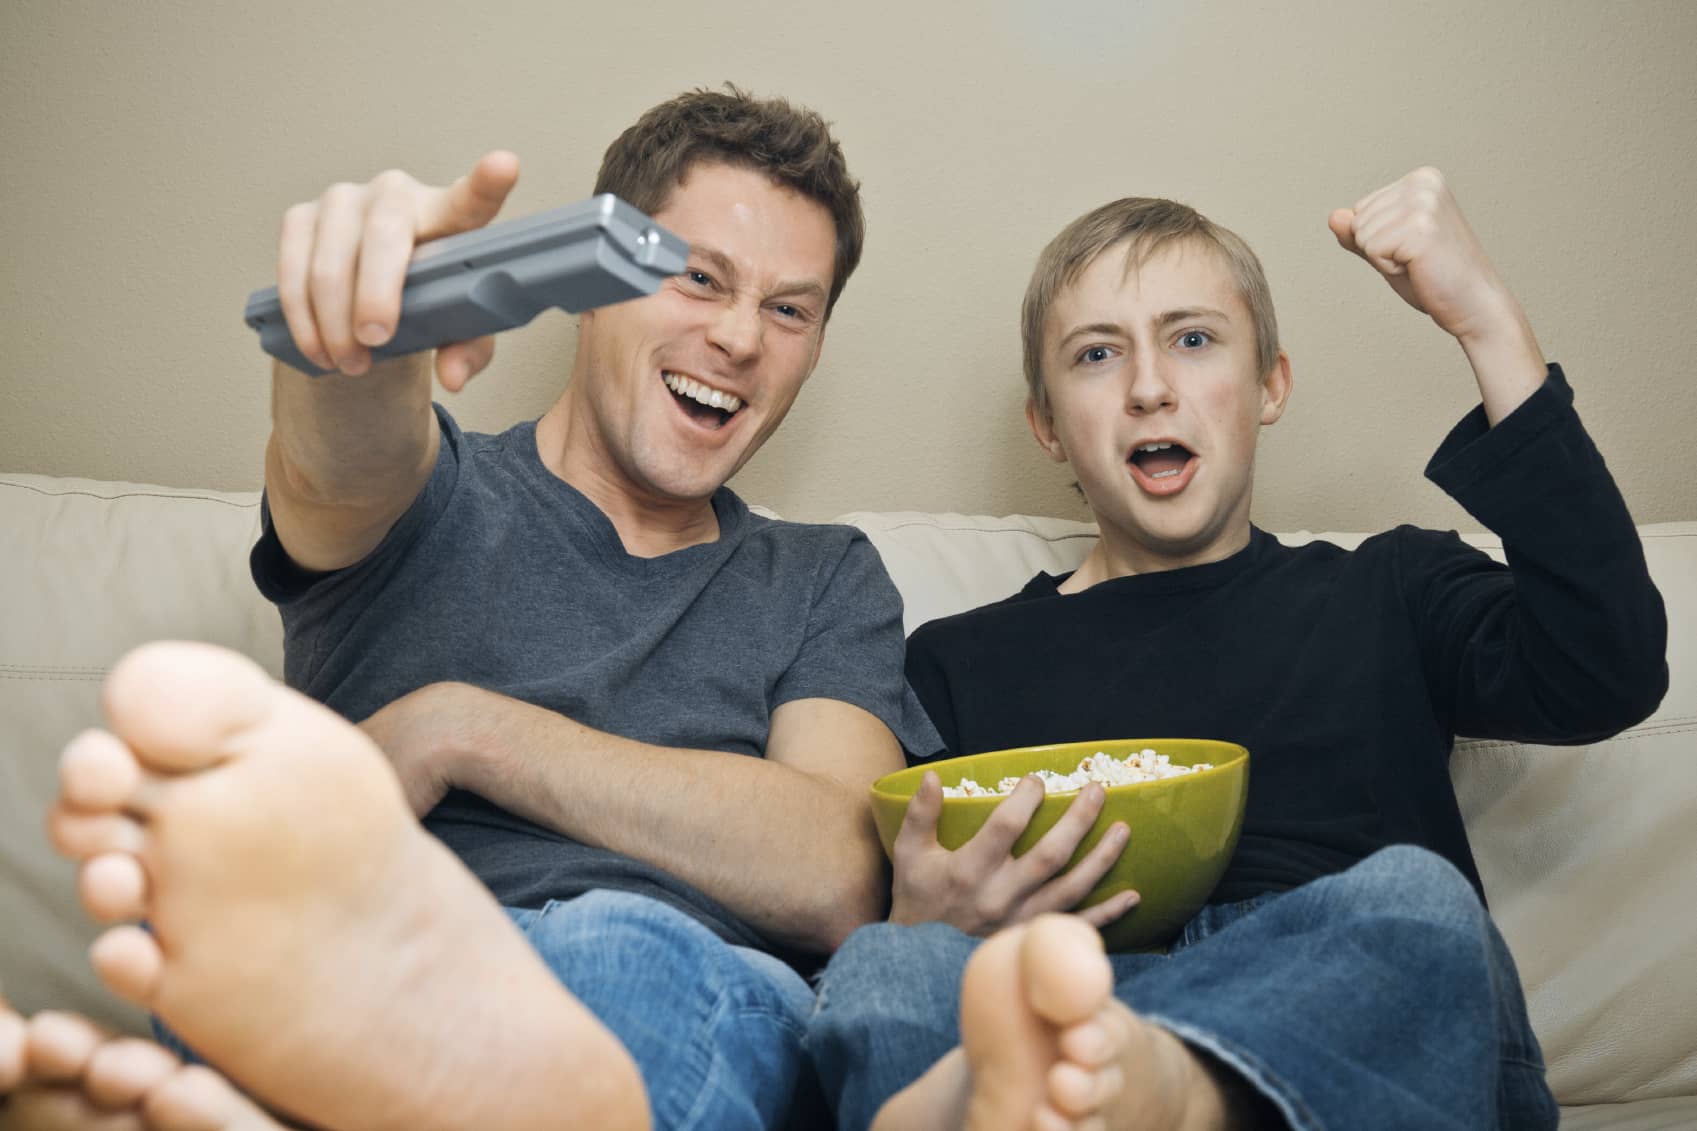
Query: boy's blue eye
[
  {"x": 1194, "y": 339},
  {"x": 1094, "y": 353}
]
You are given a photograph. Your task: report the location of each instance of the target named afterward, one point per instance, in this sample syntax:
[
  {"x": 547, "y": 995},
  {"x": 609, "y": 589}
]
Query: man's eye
[
  {"x": 1194, "y": 339},
  {"x": 788, "y": 311},
  {"x": 700, "y": 278}
]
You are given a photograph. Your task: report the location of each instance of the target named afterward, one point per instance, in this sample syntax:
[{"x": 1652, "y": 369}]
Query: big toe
[
  {"x": 179, "y": 704},
  {"x": 1064, "y": 969}
]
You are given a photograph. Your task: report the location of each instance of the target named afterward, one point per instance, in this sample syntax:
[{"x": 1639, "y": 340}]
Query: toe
[
  {"x": 129, "y": 962},
  {"x": 198, "y": 1099},
  {"x": 63, "y": 1108},
  {"x": 122, "y": 1072},
  {"x": 97, "y": 773},
  {"x": 1078, "y": 1092},
  {"x": 59, "y": 1045},
  {"x": 113, "y": 887},
  {"x": 179, "y": 704},
  {"x": 80, "y": 835}
]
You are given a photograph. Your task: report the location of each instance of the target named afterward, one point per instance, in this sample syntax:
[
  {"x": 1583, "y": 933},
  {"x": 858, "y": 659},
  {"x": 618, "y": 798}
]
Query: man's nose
[{"x": 737, "y": 330}]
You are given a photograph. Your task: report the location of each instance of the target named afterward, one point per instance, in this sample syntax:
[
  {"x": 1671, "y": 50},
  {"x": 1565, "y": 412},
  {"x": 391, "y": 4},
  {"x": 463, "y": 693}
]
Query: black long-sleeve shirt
[{"x": 1346, "y": 674}]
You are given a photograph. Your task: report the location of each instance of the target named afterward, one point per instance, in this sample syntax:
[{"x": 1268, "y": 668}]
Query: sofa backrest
[{"x": 1585, "y": 851}]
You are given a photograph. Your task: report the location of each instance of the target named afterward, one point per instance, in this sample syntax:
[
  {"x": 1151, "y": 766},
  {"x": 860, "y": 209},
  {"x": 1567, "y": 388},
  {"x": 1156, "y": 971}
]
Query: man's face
[
  {"x": 684, "y": 386},
  {"x": 1163, "y": 355}
]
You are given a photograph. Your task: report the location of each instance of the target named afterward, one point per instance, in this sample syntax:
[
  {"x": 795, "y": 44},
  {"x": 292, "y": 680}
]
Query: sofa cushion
[{"x": 93, "y": 569}]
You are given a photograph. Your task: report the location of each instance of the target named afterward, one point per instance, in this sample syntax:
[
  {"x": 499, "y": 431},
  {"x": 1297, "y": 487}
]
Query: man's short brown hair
[
  {"x": 792, "y": 146},
  {"x": 1144, "y": 225}
]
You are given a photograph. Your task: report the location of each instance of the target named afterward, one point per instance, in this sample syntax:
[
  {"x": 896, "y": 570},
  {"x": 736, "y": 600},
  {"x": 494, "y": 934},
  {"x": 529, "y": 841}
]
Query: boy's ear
[
  {"x": 1275, "y": 389},
  {"x": 1043, "y": 428}
]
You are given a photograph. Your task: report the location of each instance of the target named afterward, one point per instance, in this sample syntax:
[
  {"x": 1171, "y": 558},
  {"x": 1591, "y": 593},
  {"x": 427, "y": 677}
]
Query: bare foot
[
  {"x": 1044, "y": 1045},
  {"x": 306, "y": 935},
  {"x": 60, "y": 1070}
]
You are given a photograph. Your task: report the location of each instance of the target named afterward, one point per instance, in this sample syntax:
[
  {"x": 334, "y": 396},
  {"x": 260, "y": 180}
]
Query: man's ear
[
  {"x": 1275, "y": 389},
  {"x": 1043, "y": 428}
]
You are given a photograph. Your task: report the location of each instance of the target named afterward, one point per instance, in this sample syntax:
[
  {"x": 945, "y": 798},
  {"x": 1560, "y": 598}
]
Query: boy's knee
[
  {"x": 1415, "y": 883},
  {"x": 885, "y": 967}
]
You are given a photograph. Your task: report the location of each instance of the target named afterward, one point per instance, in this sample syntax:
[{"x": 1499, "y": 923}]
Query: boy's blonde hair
[{"x": 1145, "y": 225}]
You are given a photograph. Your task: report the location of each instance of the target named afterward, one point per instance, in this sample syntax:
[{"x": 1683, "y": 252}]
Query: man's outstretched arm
[
  {"x": 785, "y": 842},
  {"x": 350, "y": 450}
]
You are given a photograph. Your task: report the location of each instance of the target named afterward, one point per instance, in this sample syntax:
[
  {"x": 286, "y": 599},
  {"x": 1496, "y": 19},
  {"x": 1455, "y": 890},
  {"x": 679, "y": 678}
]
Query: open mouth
[
  {"x": 1163, "y": 466},
  {"x": 703, "y": 404}
]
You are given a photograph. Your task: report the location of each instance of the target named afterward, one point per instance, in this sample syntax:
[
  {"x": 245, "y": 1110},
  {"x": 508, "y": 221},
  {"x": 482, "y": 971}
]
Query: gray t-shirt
[{"x": 503, "y": 576}]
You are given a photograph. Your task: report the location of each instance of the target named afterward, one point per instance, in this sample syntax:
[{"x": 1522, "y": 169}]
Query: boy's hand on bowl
[{"x": 982, "y": 887}]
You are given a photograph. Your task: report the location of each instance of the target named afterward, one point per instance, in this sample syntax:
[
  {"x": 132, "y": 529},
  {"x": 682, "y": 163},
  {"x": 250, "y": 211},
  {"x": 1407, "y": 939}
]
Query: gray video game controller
[{"x": 593, "y": 253}]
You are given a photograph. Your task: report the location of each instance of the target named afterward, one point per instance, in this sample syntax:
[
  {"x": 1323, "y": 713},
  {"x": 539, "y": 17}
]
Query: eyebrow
[
  {"x": 798, "y": 288},
  {"x": 1166, "y": 318}
]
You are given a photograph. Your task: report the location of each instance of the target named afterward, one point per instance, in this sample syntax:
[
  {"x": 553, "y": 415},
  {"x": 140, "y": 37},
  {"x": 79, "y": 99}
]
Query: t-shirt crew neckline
[
  {"x": 599, "y": 534},
  {"x": 1209, "y": 575}
]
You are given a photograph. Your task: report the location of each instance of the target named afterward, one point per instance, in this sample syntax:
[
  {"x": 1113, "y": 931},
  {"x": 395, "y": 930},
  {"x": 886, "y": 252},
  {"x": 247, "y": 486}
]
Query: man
[
  {"x": 1345, "y": 972},
  {"x": 644, "y": 717}
]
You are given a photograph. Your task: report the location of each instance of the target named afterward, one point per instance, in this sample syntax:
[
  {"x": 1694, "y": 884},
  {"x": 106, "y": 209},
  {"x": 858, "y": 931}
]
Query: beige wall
[{"x": 147, "y": 150}]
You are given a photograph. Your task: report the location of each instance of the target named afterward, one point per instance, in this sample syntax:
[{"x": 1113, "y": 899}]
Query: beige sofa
[{"x": 1589, "y": 854}]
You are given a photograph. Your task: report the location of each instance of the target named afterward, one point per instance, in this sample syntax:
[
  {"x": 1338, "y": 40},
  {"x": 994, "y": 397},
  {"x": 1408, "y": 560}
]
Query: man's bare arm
[
  {"x": 785, "y": 842},
  {"x": 349, "y": 451}
]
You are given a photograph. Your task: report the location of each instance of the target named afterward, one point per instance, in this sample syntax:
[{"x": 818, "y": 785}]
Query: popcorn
[{"x": 1143, "y": 766}]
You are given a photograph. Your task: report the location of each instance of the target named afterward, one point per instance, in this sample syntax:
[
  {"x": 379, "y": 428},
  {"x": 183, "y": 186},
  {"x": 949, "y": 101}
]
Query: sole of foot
[{"x": 303, "y": 932}]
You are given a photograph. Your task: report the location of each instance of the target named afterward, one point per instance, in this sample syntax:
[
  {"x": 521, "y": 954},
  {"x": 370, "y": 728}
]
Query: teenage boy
[{"x": 1345, "y": 972}]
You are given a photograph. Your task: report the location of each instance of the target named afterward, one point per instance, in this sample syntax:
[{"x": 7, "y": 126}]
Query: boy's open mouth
[
  {"x": 703, "y": 404},
  {"x": 1162, "y": 467}
]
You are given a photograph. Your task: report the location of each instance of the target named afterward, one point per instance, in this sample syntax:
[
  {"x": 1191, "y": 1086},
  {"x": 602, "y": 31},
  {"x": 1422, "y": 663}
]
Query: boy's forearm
[{"x": 1506, "y": 359}]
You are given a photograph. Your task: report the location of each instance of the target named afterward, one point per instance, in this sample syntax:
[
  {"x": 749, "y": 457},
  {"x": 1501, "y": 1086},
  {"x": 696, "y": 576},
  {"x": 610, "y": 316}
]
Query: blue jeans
[
  {"x": 715, "y": 1029},
  {"x": 1379, "y": 997}
]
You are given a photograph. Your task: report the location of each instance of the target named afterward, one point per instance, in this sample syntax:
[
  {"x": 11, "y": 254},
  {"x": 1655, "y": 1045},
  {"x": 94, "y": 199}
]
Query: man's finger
[
  {"x": 294, "y": 256},
  {"x": 385, "y": 250},
  {"x": 458, "y": 363},
  {"x": 473, "y": 200}
]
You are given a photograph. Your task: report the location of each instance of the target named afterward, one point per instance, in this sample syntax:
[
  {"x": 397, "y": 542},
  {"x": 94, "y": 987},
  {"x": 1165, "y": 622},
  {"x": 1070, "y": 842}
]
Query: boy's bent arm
[
  {"x": 1571, "y": 646},
  {"x": 785, "y": 842}
]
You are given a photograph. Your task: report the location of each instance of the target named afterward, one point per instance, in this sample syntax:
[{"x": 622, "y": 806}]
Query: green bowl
[{"x": 1183, "y": 829}]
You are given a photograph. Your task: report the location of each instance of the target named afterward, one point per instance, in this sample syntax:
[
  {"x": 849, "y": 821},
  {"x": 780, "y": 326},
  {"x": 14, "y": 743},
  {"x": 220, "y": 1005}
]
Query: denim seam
[{"x": 1253, "y": 1071}]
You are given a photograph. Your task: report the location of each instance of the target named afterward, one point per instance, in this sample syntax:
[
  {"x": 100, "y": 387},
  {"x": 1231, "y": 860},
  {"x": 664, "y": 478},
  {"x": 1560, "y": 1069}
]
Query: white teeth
[
  {"x": 696, "y": 391},
  {"x": 1155, "y": 447},
  {"x": 1163, "y": 475}
]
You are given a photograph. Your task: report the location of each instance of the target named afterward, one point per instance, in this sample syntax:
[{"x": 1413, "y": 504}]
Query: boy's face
[
  {"x": 740, "y": 329},
  {"x": 1162, "y": 355}
]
